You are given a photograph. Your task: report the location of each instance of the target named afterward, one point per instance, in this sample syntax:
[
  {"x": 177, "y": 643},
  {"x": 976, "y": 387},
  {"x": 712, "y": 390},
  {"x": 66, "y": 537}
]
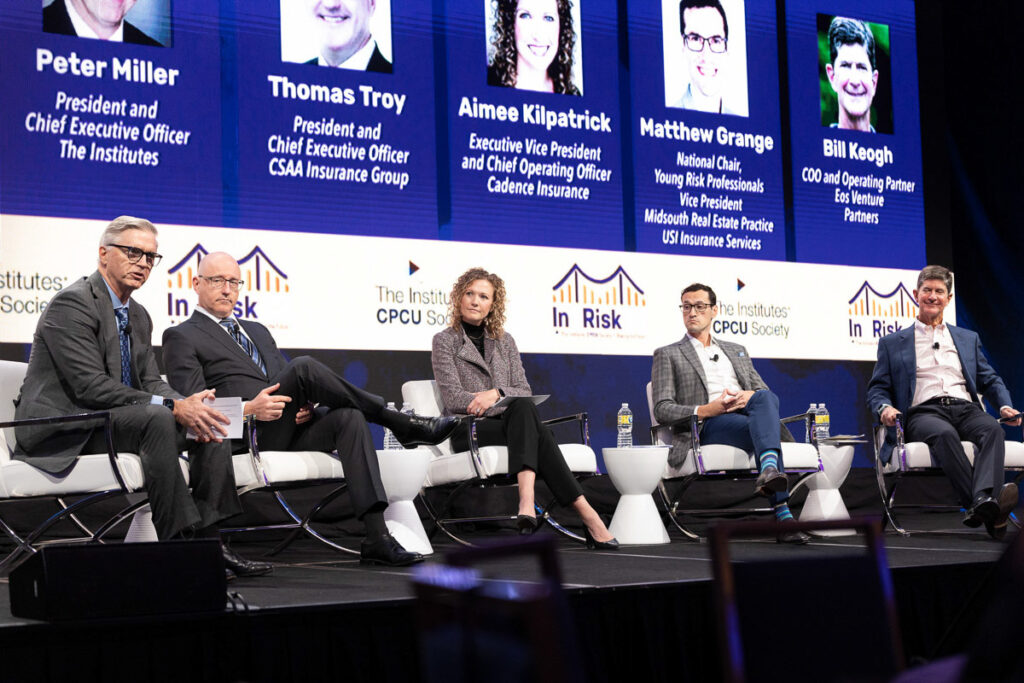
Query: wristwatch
[{"x": 169, "y": 404}]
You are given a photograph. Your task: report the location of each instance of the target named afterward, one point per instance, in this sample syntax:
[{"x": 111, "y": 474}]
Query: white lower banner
[{"x": 345, "y": 292}]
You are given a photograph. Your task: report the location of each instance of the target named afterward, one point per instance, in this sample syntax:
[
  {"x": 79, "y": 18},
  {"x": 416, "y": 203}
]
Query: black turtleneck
[{"x": 476, "y": 335}]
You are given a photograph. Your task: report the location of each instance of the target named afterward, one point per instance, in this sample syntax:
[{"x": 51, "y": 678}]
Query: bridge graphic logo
[
  {"x": 259, "y": 272},
  {"x": 595, "y": 306},
  {"x": 873, "y": 315}
]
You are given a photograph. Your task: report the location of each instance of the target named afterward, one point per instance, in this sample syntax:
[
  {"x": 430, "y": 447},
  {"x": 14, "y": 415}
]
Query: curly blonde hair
[{"x": 494, "y": 323}]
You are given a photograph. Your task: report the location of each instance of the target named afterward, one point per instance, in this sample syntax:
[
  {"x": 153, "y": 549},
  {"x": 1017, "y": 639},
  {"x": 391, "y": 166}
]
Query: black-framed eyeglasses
[
  {"x": 218, "y": 281},
  {"x": 699, "y": 307},
  {"x": 134, "y": 254},
  {"x": 695, "y": 42}
]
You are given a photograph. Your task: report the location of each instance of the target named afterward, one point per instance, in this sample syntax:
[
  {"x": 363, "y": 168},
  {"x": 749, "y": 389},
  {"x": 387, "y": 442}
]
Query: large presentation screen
[
  {"x": 357, "y": 156},
  {"x": 858, "y": 197}
]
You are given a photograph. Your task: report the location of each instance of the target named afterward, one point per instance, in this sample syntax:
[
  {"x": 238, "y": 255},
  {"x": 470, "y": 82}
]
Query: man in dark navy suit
[
  {"x": 99, "y": 19},
  {"x": 213, "y": 350},
  {"x": 345, "y": 38},
  {"x": 934, "y": 375}
]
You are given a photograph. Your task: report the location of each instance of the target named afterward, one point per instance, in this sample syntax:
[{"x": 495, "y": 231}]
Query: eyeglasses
[
  {"x": 134, "y": 254},
  {"x": 219, "y": 282},
  {"x": 695, "y": 42},
  {"x": 699, "y": 307}
]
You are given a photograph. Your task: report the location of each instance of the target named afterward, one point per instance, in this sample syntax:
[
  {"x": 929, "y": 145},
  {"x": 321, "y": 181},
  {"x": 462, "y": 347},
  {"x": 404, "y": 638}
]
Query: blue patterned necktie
[
  {"x": 126, "y": 354},
  {"x": 236, "y": 333}
]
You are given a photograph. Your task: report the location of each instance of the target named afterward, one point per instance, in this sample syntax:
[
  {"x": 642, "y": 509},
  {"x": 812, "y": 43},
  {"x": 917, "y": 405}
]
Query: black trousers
[
  {"x": 531, "y": 445},
  {"x": 944, "y": 427},
  {"x": 340, "y": 423},
  {"x": 152, "y": 432}
]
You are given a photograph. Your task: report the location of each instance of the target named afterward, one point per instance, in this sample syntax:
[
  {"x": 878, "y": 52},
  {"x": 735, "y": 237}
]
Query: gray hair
[
  {"x": 122, "y": 223},
  {"x": 936, "y": 273}
]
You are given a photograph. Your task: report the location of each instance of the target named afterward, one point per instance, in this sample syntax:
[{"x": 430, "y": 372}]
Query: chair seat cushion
[
  {"x": 90, "y": 474},
  {"x": 286, "y": 466},
  {"x": 920, "y": 457},
  {"x": 722, "y": 458},
  {"x": 451, "y": 468}
]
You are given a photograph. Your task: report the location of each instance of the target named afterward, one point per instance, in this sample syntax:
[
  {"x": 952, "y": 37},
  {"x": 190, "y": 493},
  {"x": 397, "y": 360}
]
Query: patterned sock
[
  {"x": 782, "y": 513},
  {"x": 769, "y": 459}
]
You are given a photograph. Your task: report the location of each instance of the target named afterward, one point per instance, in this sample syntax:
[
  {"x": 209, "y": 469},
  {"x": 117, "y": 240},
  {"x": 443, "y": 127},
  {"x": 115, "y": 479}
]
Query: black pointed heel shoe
[
  {"x": 527, "y": 524},
  {"x": 599, "y": 545}
]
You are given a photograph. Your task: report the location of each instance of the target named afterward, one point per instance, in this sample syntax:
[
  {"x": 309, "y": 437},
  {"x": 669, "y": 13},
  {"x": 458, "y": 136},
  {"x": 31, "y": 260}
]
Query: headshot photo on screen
[
  {"x": 705, "y": 52},
  {"x": 139, "y": 22},
  {"x": 347, "y": 34},
  {"x": 534, "y": 45},
  {"x": 854, "y": 74}
]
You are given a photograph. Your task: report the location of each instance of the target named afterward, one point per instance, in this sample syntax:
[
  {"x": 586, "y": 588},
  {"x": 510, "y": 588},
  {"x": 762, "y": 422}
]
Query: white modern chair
[
  {"x": 718, "y": 461},
  {"x": 278, "y": 471},
  {"x": 485, "y": 464},
  {"x": 93, "y": 477},
  {"x": 916, "y": 458}
]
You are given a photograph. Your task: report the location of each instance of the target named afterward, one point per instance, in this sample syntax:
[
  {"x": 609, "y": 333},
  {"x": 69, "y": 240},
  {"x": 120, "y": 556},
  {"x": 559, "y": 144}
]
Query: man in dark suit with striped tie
[{"x": 213, "y": 350}]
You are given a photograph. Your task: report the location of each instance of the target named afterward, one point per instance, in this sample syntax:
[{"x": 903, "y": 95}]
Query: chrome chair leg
[
  {"x": 671, "y": 508},
  {"x": 86, "y": 530},
  {"x": 303, "y": 524},
  {"x": 118, "y": 518}
]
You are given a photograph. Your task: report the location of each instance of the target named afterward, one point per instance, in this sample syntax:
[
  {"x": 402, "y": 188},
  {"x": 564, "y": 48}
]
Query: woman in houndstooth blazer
[{"x": 476, "y": 364}]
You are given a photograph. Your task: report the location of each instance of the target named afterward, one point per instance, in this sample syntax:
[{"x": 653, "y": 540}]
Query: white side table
[
  {"x": 636, "y": 472},
  {"x": 824, "y": 501},
  {"x": 403, "y": 472}
]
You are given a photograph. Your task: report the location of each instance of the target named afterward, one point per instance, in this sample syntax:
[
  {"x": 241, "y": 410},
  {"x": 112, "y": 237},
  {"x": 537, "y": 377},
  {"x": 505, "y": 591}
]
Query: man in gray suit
[
  {"x": 91, "y": 351},
  {"x": 743, "y": 413}
]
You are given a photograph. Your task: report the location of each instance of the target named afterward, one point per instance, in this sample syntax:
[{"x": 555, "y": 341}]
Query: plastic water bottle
[
  {"x": 813, "y": 411},
  {"x": 821, "y": 423},
  {"x": 391, "y": 442},
  {"x": 625, "y": 426},
  {"x": 407, "y": 409}
]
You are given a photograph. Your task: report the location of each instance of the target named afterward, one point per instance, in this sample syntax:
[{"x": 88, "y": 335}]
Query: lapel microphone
[
  {"x": 714, "y": 358},
  {"x": 935, "y": 346},
  {"x": 128, "y": 329}
]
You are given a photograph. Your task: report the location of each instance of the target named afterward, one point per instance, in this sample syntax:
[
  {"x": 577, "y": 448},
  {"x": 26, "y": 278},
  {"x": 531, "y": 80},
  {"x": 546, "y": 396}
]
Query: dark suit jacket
[
  {"x": 894, "y": 379},
  {"x": 199, "y": 354},
  {"x": 57, "y": 20},
  {"x": 75, "y": 367},
  {"x": 377, "y": 62},
  {"x": 678, "y": 385}
]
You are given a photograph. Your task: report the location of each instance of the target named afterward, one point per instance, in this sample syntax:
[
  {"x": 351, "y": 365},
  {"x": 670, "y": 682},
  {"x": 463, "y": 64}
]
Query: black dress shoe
[
  {"x": 426, "y": 431},
  {"x": 527, "y": 524},
  {"x": 984, "y": 509},
  {"x": 593, "y": 544},
  {"x": 770, "y": 481},
  {"x": 1006, "y": 499},
  {"x": 243, "y": 567},
  {"x": 795, "y": 537},
  {"x": 388, "y": 552}
]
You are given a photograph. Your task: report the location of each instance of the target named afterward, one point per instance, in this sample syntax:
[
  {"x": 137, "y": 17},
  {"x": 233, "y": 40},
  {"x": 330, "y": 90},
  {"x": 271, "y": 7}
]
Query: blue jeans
[{"x": 755, "y": 427}]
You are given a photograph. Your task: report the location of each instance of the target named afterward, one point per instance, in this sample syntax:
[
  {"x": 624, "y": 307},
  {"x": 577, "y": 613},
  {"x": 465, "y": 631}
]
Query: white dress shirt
[
  {"x": 720, "y": 374},
  {"x": 939, "y": 372}
]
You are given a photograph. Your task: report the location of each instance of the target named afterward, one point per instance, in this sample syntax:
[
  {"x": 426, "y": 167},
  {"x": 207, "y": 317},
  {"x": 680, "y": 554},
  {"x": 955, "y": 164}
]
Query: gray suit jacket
[
  {"x": 75, "y": 367},
  {"x": 678, "y": 386},
  {"x": 460, "y": 371}
]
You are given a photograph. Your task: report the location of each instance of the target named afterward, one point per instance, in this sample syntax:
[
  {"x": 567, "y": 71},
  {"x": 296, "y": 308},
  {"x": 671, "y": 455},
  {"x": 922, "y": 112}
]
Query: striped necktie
[
  {"x": 126, "y": 352},
  {"x": 250, "y": 349}
]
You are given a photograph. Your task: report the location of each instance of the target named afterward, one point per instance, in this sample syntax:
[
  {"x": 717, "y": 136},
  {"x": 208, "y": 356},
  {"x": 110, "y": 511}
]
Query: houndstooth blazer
[
  {"x": 678, "y": 386},
  {"x": 460, "y": 371}
]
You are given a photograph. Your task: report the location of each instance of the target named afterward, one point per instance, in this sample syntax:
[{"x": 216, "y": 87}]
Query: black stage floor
[{"x": 643, "y": 609}]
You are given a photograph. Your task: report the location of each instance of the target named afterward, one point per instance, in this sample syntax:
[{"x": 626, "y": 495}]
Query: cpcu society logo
[
  {"x": 873, "y": 315},
  {"x": 586, "y": 306},
  {"x": 261, "y": 275}
]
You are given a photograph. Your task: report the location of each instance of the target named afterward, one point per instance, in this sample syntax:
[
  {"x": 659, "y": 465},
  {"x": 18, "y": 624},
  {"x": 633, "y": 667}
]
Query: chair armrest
[
  {"x": 108, "y": 434},
  {"x": 795, "y": 418},
  {"x": 254, "y": 449},
  {"x": 582, "y": 418}
]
